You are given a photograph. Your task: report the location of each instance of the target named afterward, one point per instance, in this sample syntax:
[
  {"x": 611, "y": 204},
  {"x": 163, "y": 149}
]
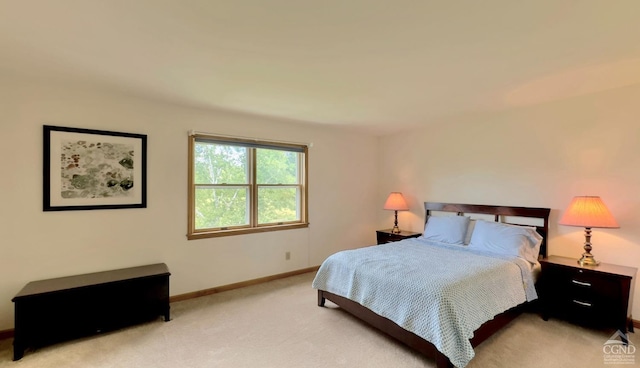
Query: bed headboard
[{"x": 499, "y": 213}]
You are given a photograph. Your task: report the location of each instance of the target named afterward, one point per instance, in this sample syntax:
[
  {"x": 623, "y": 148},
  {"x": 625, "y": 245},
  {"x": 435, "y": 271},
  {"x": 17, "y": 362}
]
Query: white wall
[
  {"x": 537, "y": 156},
  {"x": 37, "y": 245}
]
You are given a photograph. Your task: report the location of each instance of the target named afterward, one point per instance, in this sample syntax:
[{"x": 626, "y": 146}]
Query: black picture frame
[{"x": 87, "y": 169}]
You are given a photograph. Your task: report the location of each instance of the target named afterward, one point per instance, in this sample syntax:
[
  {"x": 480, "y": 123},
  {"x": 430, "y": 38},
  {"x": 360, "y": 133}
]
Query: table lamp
[
  {"x": 588, "y": 212},
  {"x": 396, "y": 202}
]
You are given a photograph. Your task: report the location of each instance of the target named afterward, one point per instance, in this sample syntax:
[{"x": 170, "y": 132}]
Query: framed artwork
[{"x": 87, "y": 169}]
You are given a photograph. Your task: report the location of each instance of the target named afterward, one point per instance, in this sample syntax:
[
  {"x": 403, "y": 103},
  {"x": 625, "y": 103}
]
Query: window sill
[{"x": 262, "y": 229}]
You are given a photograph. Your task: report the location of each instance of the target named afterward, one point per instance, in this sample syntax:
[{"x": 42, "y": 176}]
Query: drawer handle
[
  {"x": 585, "y": 304},
  {"x": 581, "y": 283}
]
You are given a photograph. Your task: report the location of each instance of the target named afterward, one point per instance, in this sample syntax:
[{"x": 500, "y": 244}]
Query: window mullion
[{"x": 254, "y": 186}]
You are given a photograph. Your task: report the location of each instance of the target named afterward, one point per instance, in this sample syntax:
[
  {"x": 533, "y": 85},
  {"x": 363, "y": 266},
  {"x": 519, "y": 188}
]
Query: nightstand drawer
[
  {"x": 584, "y": 303},
  {"x": 591, "y": 287},
  {"x": 387, "y": 236},
  {"x": 581, "y": 311}
]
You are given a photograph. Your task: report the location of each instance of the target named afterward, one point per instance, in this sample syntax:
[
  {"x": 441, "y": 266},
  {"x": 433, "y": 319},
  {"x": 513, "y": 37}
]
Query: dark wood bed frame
[{"x": 487, "y": 329}]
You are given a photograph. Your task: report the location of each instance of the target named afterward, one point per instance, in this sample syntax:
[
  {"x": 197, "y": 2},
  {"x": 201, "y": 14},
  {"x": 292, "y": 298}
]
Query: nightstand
[
  {"x": 386, "y": 236},
  {"x": 598, "y": 296}
]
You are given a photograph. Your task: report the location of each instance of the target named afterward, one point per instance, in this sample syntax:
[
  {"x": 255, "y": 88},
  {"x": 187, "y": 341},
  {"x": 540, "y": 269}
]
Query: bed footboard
[
  {"x": 387, "y": 326},
  {"x": 410, "y": 339}
]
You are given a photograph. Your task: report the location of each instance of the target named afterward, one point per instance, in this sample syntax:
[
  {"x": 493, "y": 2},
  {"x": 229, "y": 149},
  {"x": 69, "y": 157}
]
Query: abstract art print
[{"x": 87, "y": 169}]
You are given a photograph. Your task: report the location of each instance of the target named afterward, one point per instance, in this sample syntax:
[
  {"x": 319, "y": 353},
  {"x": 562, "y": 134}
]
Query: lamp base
[
  {"x": 588, "y": 260},
  {"x": 396, "y": 229}
]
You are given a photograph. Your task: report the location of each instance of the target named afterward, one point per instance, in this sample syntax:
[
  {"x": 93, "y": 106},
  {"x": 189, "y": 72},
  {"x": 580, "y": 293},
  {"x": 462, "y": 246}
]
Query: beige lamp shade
[
  {"x": 396, "y": 202},
  {"x": 588, "y": 211}
]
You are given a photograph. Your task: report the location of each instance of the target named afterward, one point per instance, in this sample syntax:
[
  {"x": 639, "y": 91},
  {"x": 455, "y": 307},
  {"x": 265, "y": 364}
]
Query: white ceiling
[{"x": 381, "y": 65}]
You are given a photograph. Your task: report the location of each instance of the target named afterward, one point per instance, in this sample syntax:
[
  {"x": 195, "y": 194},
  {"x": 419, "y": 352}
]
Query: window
[{"x": 239, "y": 186}]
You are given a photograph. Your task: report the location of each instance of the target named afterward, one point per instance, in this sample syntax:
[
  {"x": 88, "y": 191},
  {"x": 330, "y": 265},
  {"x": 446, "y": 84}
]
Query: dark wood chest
[{"x": 54, "y": 310}]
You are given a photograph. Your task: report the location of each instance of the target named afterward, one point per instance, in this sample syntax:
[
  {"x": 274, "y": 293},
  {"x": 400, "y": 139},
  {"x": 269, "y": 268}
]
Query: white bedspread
[{"x": 440, "y": 292}]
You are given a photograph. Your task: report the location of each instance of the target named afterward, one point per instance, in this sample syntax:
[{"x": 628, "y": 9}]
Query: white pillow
[
  {"x": 514, "y": 240},
  {"x": 446, "y": 229}
]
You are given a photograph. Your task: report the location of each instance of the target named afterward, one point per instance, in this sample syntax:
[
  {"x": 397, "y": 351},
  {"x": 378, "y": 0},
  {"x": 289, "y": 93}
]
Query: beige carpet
[{"x": 278, "y": 324}]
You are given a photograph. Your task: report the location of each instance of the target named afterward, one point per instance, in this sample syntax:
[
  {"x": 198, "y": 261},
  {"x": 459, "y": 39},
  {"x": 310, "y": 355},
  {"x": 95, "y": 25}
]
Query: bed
[{"x": 446, "y": 292}]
